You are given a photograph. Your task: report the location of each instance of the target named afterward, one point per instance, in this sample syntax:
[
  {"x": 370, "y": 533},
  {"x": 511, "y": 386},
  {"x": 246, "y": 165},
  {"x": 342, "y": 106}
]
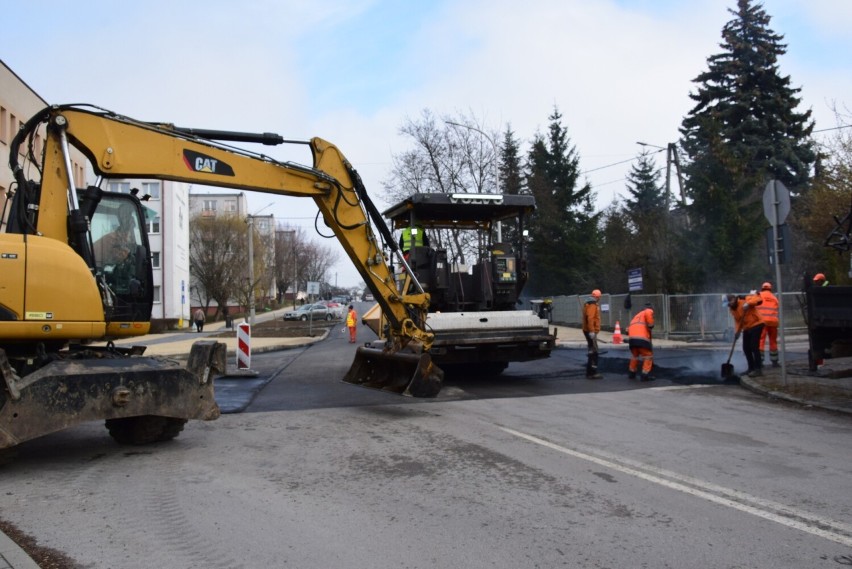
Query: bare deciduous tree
[
  {"x": 217, "y": 251},
  {"x": 299, "y": 260},
  {"x": 450, "y": 154}
]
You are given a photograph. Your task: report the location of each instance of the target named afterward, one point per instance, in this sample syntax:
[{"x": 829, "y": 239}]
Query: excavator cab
[{"x": 121, "y": 256}]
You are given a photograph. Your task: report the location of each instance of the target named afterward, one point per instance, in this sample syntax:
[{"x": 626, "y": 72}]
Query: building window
[
  {"x": 153, "y": 225},
  {"x": 4, "y": 126},
  {"x": 231, "y": 206},
  {"x": 119, "y": 187},
  {"x": 157, "y": 299},
  {"x": 13, "y": 129},
  {"x": 155, "y": 259},
  {"x": 151, "y": 189},
  {"x": 209, "y": 205}
]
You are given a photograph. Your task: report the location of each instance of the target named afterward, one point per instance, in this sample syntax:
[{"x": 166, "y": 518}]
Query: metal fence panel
[{"x": 682, "y": 316}]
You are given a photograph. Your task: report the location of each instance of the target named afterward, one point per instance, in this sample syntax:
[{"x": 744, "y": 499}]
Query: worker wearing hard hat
[
  {"x": 819, "y": 280},
  {"x": 749, "y": 323},
  {"x": 591, "y": 329},
  {"x": 639, "y": 342},
  {"x": 768, "y": 310}
]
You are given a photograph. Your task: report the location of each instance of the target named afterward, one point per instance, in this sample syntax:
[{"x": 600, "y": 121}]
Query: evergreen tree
[
  {"x": 617, "y": 254},
  {"x": 511, "y": 170},
  {"x": 564, "y": 232},
  {"x": 647, "y": 195},
  {"x": 647, "y": 212},
  {"x": 511, "y": 181},
  {"x": 743, "y": 130}
]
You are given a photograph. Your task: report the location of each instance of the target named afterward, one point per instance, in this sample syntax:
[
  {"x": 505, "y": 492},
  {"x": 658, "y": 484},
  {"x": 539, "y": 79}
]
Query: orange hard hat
[
  {"x": 596, "y": 293},
  {"x": 819, "y": 277},
  {"x": 766, "y": 286}
]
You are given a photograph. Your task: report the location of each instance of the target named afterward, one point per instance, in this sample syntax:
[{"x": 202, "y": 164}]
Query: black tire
[
  {"x": 304, "y": 318},
  {"x": 145, "y": 429},
  {"x": 328, "y": 316}
]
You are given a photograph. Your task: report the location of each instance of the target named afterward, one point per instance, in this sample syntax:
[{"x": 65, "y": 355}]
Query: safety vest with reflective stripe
[
  {"x": 351, "y": 317},
  {"x": 639, "y": 330},
  {"x": 407, "y": 239},
  {"x": 769, "y": 308}
]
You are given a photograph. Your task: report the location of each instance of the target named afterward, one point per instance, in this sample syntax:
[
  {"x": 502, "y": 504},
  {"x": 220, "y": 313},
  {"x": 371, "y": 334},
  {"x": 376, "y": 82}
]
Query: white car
[{"x": 336, "y": 308}]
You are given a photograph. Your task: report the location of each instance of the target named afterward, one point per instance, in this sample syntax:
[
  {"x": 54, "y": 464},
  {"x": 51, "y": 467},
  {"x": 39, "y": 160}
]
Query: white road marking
[{"x": 778, "y": 513}]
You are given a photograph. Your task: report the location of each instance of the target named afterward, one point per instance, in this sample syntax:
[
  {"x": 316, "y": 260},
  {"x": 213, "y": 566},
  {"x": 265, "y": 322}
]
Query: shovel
[{"x": 728, "y": 367}]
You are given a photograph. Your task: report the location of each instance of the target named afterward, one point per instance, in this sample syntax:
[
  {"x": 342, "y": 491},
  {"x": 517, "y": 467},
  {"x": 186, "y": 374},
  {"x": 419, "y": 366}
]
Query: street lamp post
[{"x": 250, "y": 222}]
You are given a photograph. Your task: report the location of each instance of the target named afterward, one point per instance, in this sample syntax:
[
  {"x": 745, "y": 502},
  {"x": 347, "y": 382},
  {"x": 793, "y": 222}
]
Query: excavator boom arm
[{"x": 120, "y": 147}]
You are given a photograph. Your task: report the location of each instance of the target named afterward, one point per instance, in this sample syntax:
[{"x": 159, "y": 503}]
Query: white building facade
[
  {"x": 168, "y": 235},
  {"x": 18, "y": 103}
]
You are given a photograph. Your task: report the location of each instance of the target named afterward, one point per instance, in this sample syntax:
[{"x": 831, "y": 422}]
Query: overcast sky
[{"x": 620, "y": 71}]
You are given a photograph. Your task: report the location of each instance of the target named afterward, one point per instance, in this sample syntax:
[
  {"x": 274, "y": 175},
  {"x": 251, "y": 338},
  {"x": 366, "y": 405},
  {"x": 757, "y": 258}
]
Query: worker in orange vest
[
  {"x": 749, "y": 324},
  {"x": 639, "y": 342},
  {"x": 352, "y": 324},
  {"x": 591, "y": 329},
  {"x": 769, "y": 312}
]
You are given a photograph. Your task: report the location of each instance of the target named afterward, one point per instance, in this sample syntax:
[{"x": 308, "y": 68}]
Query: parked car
[
  {"x": 309, "y": 312},
  {"x": 335, "y": 308}
]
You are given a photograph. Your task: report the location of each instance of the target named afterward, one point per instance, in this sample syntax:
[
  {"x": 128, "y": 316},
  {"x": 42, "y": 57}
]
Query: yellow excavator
[{"x": 77, "y": 274}]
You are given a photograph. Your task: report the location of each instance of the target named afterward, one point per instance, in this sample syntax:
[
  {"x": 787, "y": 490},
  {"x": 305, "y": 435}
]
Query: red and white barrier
[{"x": 244, "y": 346}]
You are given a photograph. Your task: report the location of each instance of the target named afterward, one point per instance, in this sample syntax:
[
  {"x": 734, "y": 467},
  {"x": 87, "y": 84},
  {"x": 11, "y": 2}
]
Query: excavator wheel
[{"x": 145, "y": 429}]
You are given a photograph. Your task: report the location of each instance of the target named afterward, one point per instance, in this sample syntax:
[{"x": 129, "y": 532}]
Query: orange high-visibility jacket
[
  {"x": 639, "y": 330},
  {"x": 592, "y": 316},
  {"x": 747, "y": 318},
  {"x": 769, "y": 308}
]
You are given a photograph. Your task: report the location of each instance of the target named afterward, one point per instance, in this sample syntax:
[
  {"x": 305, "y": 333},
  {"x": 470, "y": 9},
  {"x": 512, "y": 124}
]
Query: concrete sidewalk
[{"x": 178, "y": 344}]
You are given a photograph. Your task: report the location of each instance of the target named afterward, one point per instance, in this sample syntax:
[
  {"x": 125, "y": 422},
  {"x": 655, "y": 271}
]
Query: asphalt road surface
[{"x": 538, "y": 468}]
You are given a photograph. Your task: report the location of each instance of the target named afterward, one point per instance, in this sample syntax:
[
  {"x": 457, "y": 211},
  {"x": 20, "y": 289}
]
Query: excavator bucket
[{"x": 405, "y": 373}]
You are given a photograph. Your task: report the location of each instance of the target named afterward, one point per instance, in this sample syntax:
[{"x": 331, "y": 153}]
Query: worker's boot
[
  {"x": 647, "y": 377},
  {"x": 592, "y": 367},
  {"x": 631, "y": 374}
]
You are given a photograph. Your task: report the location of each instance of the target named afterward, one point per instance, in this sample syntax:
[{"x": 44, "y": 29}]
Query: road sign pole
[{"x": 777, "y": 211}]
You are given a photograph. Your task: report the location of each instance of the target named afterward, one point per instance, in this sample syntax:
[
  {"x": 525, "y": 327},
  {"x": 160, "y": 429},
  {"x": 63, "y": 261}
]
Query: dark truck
[{"x": 829, "y": 308}]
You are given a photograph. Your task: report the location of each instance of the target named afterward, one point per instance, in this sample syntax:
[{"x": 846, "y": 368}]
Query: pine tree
[
  {"x": 647, "y": 212},
  {"x": 564, "y": 233},
  {"x": 511, "y": 170},
  {"x": 643, "y": 185},
  {"x": 743, "y": 131}
]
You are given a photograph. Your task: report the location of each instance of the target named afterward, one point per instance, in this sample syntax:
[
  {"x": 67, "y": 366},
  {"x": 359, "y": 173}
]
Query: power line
[
  {"x": 609, "y": 165},
  {"x": 833, "y": 128}
]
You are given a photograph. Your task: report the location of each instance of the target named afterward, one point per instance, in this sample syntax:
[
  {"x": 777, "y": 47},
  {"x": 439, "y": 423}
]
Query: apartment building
[{"x": 18, "y": 102}]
